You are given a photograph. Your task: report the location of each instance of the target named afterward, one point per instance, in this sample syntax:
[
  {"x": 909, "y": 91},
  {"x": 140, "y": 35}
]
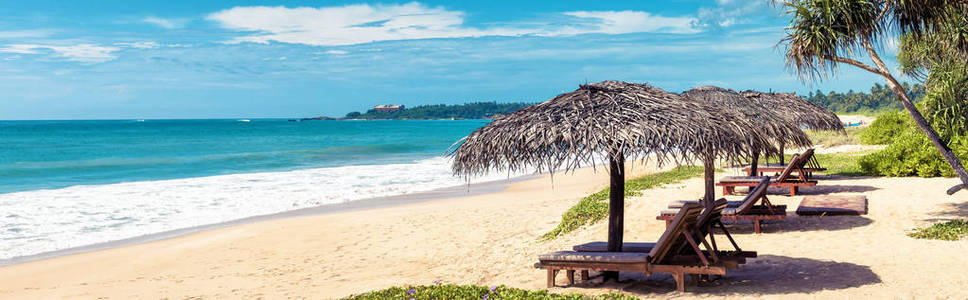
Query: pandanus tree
[{"x": 824, "y": 34}]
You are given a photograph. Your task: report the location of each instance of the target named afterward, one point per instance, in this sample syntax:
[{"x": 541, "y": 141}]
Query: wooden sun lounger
[
  {"x": 809, "y": 168},
  {"x": 729, "y": 184},
  {"x": 661, "y": 259},
  {"x": 707, "y": 220},
  {"x": 747, "y": 210}
]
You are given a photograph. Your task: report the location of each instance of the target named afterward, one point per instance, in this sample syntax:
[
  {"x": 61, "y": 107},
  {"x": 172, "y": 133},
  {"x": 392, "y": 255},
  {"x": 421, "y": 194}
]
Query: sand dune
[{"x": 491, "y": 239}]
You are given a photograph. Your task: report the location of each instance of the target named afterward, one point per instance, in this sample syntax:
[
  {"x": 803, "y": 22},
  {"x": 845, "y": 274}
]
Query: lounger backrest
[
  {"x": 710, "y": 215},
  {"x": 811, "y": 159},
  {"x": 794, "y": 164},
  {"x": 755, "y": 194},
  {"x": 674, "y": 235},
  {"x": 807, "y": 156}
]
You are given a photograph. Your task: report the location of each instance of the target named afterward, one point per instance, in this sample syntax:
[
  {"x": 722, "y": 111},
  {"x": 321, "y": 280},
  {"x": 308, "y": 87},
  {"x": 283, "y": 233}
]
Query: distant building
[{"x": 388, "y": 108}]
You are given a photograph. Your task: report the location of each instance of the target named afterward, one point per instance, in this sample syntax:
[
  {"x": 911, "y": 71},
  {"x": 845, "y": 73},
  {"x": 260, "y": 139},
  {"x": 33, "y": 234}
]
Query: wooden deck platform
[{"x": 833, "y": 205}]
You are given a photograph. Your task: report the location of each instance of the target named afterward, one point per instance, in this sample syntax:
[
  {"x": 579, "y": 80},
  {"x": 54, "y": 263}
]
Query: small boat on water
[{"x": 245, "y": 120}]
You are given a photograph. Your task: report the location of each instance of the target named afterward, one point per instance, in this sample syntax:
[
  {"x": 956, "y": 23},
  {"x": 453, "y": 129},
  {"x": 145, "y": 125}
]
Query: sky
[{"x": 286, "y": 59}]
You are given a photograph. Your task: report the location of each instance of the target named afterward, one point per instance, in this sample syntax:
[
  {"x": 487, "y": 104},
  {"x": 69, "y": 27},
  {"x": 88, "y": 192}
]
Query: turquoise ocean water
[{"x": 71, "y": 183}]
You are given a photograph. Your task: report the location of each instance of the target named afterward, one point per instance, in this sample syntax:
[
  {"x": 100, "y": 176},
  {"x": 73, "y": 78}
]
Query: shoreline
[{"x": 480, "y": 188}]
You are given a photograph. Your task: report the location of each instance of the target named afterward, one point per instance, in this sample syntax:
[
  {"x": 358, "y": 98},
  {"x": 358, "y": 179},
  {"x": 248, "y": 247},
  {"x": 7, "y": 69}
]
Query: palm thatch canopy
[
  {"x": 780, "y": 130},
  {"x": 768, "y": 121},
  {"x": 616, "y": 118},
  {"x": 797, "y": 110}
]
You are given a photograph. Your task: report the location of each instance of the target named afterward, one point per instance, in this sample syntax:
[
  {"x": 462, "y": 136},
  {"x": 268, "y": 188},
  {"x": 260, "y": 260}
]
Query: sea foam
[{"x": 48, "y": 220}]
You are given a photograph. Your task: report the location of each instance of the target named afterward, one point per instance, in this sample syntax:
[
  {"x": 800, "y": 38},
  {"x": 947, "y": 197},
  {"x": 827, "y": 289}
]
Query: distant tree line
[
  {"x": 475, "y": 110},
  {"x": 879, "y": 99}
]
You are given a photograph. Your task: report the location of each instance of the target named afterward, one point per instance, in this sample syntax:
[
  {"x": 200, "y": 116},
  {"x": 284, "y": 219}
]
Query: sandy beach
[{"x": 490, "y": 239}]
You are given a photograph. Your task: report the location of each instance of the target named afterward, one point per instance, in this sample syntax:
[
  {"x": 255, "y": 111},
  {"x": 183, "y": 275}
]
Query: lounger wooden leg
[
  {"x": 756, "y": 226},
  {"x": 571, "y": 277},
  {"x": 668, "y": 222},
  {"x": 793, "y": 190},
  {"x": 584, "y": 275},
  {"x": 726, "y": 190},
  {"x": 680, "y": 281},
  {"x": 551, "y": 277}
]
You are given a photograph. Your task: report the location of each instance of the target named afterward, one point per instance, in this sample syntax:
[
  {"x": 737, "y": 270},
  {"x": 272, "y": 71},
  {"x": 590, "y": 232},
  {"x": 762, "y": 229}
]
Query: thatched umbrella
[
  {"x": 780, "y": 130},
  {"x": 798, "y": 111},
  {"x": 612, "y": 118}
]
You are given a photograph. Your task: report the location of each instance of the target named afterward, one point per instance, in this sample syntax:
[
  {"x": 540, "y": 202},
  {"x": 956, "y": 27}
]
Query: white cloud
[
  {"x": 731, "y": 12},
  {"x": 619, "y": 22},
  {"x": 364, "y": 23},
  {"x": 165, "y": 23},
  {"x": 893, "y": 44},
  {"x": 21, "y": 48},
  {"x": 86, "y": 53},
  {"x": 32, "y": 33},
  {"x": 140, "y": 45}
]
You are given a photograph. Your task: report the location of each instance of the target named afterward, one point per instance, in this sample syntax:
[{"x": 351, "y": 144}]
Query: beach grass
[
  {"x": 594, "y": 207},
  {"x": 844, "y": 164},
  {"x": 948, "y": 231},
  {"x": 833, "y": 139},
  {"x": 476, "y": 292}
]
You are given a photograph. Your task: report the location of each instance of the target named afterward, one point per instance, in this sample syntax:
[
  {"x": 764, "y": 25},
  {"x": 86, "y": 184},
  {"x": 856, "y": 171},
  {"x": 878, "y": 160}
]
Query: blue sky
[{"x": 228, "y": 59}]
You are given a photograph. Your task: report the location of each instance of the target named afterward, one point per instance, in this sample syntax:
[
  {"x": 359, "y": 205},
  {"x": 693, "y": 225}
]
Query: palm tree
[{"x": 826, "y": 33}]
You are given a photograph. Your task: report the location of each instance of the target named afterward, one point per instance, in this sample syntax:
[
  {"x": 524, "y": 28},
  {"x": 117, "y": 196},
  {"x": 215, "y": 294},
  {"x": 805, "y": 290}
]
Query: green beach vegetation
[
  {"x": 844, "y": 164},
  {"x": 832, "y": 138},
  {"x": 908, "y": 151},
  {"x": 594, "y": 207},
  {"x": 948, "y": 231},
  {"x": 476, "y": 292},
  {"x": 826, "y": 34},
  {"x": 475, "y": 110}
]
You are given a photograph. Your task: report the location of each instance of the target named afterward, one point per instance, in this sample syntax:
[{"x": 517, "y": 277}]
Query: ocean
[{"x": 66, "y": 184}]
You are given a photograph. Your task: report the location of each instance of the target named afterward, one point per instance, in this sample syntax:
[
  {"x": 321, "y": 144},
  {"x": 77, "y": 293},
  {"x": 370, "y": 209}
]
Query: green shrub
[
  {"x": 948, "y": 231},
  {"x": 594, "y": 207},
  {"x": 885, "y": 128},
  {"x": 912, "y": 154},
  {"x": 476, "y": 292}
]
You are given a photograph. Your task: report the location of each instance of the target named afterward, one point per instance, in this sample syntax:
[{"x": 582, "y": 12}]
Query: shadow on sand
[
  {"x": 950, "y": 212},
  {"x": 822, "y": 189},
  {"x": 802, "y": 223},
  {"x": 765, "y": 275},
  {"x": 841, "y": 177},
  {"x": 825, "y": 189}
]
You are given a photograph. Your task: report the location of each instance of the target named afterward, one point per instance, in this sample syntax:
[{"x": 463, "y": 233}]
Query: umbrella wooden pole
[
  {"x": 782, "y": 156},
  {"x": 755, "y": 163},
  {"x": 710, "y": 177},
  {"x": 616, "y": 206}
]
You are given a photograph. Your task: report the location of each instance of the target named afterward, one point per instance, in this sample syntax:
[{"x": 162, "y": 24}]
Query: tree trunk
[
  {"x": 755, "y": 163},
  {"x": 616, "y": 206},
  {"x": 710, "y": 180},
  {"x": 920, "y": 120}
]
